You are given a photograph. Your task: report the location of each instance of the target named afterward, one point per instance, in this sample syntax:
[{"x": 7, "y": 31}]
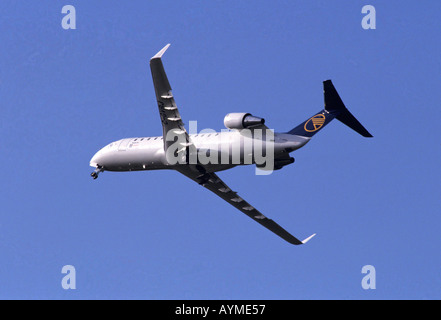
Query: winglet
[
  {"x": 309, "y": 238},
  {"x": 160, "y": 53}
]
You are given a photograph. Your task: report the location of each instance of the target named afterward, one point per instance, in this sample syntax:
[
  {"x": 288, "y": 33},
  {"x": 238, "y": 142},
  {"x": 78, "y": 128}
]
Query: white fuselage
[{"x": 231, "y": 148}]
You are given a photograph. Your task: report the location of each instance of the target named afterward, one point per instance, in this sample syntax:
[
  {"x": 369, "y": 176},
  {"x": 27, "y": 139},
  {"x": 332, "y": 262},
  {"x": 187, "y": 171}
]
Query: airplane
[{"x": 176, "y": 148}]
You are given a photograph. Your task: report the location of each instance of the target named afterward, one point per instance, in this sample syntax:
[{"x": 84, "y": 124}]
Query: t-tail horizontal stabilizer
[
  {"x": 334, "y": 109},
  {"x": 335, "y": 106}
]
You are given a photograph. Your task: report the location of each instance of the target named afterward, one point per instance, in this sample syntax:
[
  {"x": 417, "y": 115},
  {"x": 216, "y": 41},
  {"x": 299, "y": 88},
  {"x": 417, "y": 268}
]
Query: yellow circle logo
[{"x": 315, "y": 123}]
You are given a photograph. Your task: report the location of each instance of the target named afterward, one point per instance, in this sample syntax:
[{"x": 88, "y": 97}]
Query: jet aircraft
[{"x": 178, "y": 150}]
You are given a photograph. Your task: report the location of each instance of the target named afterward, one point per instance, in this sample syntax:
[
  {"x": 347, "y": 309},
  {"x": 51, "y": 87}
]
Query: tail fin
[
  {"x": 334, "y": 108},
  {"x": 334, "y": 105},
  {"x": 313, "y": 125}
]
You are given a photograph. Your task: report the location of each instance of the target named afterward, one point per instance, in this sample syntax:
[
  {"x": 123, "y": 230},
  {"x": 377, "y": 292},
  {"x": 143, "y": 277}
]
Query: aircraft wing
[
  {"x": 168, "y": 110},
  {"x": 213, "y": 183}
]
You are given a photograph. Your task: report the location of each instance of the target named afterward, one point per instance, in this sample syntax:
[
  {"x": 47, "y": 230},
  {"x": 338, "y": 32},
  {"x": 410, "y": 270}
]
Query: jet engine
[
  {"x": 278, "y": 164},
  {"x": 242, "y": 121}
]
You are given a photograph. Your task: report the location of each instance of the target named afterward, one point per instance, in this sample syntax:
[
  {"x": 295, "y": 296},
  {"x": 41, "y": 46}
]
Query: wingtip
[
  {"x": 309, "y": 238},
  {"x": 161, "y": 52}
]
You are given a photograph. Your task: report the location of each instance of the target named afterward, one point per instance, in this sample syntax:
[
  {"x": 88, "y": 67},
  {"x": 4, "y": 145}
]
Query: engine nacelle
[
  {"x": 242, "y": 121},
  {"x": 278, "y": 164}
]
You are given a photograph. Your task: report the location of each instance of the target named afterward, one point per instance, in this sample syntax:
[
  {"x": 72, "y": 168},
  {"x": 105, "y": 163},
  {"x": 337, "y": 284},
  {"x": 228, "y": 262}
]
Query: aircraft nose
[{"x": 95, "y": 159}]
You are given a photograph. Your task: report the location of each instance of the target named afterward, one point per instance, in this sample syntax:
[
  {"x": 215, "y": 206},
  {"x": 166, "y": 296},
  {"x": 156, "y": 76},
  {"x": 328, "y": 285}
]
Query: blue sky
[{"x": 157, "y": 235}]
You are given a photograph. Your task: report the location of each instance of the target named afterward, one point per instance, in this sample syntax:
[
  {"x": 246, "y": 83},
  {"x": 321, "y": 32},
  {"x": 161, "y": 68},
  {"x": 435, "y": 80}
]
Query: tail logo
[{"x": 315, "y": 123}]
